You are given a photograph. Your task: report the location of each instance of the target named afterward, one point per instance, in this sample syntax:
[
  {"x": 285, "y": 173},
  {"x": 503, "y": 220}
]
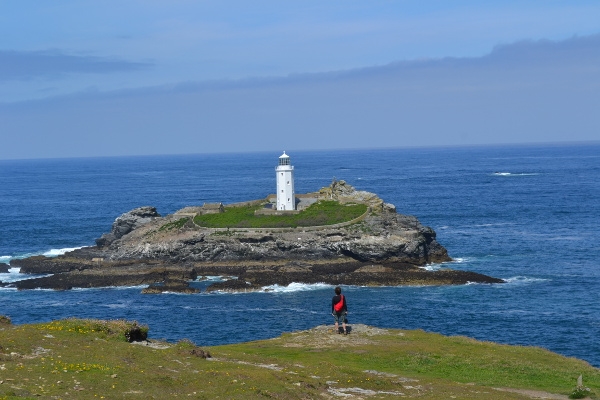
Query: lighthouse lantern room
[{"x": 286, "y": 196}]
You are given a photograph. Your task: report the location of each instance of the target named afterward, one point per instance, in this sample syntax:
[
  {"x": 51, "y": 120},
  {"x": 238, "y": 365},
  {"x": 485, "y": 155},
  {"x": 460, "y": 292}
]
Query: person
[{"x": 339, "y": 310}]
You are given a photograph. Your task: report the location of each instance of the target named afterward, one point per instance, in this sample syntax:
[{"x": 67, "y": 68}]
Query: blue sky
[{"x": 153, "y": 77}]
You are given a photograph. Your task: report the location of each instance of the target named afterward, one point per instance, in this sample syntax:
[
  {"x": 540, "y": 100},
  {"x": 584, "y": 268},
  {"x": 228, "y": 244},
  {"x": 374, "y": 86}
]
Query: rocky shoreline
[{"x": 166, "y": 253}]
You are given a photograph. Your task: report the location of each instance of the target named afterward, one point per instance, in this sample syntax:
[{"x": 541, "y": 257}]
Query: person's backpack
[{"x": 338, "y": 306}]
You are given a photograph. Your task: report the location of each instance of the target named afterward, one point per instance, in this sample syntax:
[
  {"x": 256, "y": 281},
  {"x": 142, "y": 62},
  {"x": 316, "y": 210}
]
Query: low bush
[{"x": 129, "y": 331}]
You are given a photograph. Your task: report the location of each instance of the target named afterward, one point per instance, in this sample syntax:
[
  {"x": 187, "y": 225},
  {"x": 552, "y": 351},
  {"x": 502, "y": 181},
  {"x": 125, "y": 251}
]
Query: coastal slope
[{"x": 92, "y": 359}]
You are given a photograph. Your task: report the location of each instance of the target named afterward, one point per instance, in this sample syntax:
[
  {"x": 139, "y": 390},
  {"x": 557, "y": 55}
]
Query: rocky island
[{"x": 338, "y": 235}]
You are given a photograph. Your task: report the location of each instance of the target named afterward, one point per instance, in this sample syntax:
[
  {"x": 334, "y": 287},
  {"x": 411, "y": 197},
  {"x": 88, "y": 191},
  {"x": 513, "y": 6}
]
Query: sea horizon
[{"x": 324, "y": 150}]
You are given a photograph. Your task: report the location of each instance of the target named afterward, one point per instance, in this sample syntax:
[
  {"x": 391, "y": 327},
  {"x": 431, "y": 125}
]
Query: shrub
[
  {"x": 5, "y": 320},
  {"x": 121, "y": 329}
]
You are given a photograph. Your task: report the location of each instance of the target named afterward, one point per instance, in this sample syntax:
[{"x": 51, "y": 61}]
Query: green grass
[
  {"x": 321, "y": 213},
  {"x": 90, "y": 359}
]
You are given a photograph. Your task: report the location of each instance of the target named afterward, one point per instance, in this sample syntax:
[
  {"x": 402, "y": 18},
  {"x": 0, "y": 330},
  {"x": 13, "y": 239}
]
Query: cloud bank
[
  {"x": 25, "y": 65},
  {"x": 530, "y": 91}
]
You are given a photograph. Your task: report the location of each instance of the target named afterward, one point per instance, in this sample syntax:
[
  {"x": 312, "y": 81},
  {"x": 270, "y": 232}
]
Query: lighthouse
[{"x": 286, "y": 197}]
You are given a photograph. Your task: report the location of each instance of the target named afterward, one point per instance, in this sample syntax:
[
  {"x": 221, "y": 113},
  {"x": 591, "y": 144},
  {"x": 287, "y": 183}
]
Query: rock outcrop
[
  {"x": 383, "y": 248},
  {"x": 126, "y": 223}
]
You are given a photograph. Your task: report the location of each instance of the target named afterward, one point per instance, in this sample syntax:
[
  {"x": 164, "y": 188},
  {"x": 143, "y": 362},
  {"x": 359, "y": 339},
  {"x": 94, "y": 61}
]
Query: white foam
[
  {"x": 511, "y": 174},
  {"x": 523, "y": 280},
  {"x": 565, "y": 238},
  {"x": 215, "y": 278},
  {"x": 49, "y": 253},
  {"x": 431, "y": 267},
  {"x": 59, "y": 252},
  {"x": 296, "y": 287},
  {"x": 137, "y": 287},
  {"x": 21, "y": 256},
  {"x": 14, "y": 275},
  {"x": 438, "y": 266}
]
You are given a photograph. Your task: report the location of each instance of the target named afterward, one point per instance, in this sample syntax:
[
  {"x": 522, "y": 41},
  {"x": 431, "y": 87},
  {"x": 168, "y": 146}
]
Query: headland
[
  {"x": 338, "y": 235},
  {"x": 76, "y": 358}
]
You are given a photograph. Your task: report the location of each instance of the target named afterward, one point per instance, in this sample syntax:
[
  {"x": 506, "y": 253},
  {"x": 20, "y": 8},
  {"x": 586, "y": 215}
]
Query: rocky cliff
[{"x": 383, "y": 248}]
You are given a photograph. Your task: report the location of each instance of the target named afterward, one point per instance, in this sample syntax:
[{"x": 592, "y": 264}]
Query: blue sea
[{"x": 526, "y": 214}]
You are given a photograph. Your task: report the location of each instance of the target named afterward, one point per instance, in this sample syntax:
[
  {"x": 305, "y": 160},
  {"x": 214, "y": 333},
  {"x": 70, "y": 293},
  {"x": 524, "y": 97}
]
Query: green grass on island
[
  {"x": 178, "y": 224},
  {"x": 90, "y": 359},
  {"x": 324, "y": 212}
]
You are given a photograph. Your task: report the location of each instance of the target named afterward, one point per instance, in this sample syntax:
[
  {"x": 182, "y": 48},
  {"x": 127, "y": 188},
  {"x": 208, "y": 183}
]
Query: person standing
[{"x": 339, "y": 310}]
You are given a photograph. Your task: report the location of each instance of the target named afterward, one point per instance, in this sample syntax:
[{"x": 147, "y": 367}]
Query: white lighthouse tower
[{"x": 286, "y": 196}]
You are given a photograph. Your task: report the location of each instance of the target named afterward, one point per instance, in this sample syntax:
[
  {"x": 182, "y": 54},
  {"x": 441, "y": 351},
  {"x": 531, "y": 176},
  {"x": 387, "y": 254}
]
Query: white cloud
[{"x": 27, "y": 65}]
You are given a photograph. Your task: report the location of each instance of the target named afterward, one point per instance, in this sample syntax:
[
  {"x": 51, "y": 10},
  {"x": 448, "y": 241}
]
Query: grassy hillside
[
  {"x": 320, "y": 213},
  {"x": 92, "y": 360}
]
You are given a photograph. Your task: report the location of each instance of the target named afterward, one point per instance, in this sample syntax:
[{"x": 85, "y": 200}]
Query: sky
[{"x": 133, "y": 77}]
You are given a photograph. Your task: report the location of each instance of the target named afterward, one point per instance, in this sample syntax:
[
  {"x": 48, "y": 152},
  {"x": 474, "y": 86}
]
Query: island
[{"x": 338, "y": 235}]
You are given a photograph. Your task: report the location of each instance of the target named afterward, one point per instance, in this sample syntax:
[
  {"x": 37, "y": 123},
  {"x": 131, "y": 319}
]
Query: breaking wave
[
  {"x": 49, "y": 253},
  {"x": 296, "y": 287},
  {"x": 59, "y": 252},
  {"x": 524, "y": 280},
  {"x": 512, "y": 174}
]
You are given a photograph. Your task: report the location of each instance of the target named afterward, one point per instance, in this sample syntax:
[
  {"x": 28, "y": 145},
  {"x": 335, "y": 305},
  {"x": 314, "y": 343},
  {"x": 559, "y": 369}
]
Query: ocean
[{"x": 526, "y": 214}]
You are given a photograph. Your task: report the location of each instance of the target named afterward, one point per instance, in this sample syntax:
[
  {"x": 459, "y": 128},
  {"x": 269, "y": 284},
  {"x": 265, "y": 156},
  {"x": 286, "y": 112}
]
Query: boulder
[
  {"x": 346, "y": 193},
  {"x": 126, "y": 223}
]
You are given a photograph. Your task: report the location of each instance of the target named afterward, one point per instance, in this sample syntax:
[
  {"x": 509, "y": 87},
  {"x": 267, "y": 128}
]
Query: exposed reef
[{"x": 381, "y": 247}]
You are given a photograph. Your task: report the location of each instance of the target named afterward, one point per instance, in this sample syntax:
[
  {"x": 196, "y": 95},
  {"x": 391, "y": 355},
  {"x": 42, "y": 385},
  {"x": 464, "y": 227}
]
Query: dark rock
[
  {"x": 48, "y": 265},
  {"x": 126, "y": 223},
  {"x": 358, "y": 274},
  {"x": 105, "y": 277},
  {"x": 170, "y": 285},
  {"x": 198, "y": 352},
  {"x": 3, "y": 268}
]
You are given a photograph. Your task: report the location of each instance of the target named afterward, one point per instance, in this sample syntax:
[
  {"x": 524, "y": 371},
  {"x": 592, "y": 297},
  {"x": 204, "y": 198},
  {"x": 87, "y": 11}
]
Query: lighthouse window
[
  {"x": 288, "y": 199},
  {"x": 281, "y": 190},
  {"x": 288, "y": 182},
  {"x": 282, "y": 174}
]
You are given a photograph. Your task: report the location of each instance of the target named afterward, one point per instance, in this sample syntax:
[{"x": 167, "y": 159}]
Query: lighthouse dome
[{"x": 284, "y": 159}]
